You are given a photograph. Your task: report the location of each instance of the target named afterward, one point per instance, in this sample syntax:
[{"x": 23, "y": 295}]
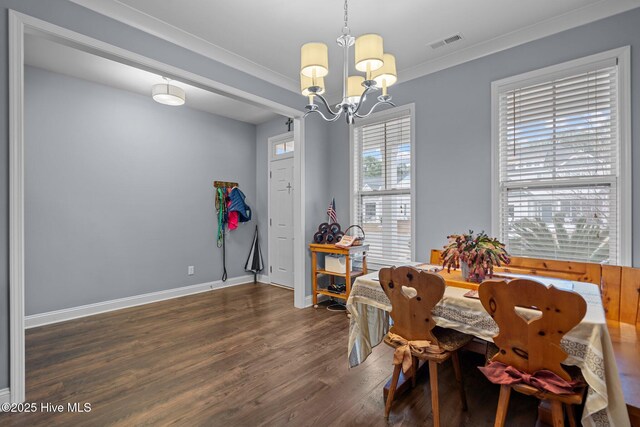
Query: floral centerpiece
[{"x": 476, "y": 255}]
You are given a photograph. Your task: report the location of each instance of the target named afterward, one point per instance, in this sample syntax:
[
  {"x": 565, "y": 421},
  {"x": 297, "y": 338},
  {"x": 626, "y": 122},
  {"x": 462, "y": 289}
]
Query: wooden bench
[
  {"x": 569, "y": 270},
  {"x": 621, "y": 299},
  {"x": 621, "y": 293},
  {"x": 620, "y": 288},
  {"x": 626, "y": 348}
]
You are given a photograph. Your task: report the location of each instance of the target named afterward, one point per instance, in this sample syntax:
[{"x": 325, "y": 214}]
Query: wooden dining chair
[
  {"x": 532, "y": 319},
  {"x": 413, "y": 295}
]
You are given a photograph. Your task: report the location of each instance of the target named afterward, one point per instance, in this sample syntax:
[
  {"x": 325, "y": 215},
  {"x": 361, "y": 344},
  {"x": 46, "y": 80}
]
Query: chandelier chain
[{"x": 345, "y": 29}]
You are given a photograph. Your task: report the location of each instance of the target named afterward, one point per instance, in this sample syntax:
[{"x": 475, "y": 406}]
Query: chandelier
[{"x": 379, "y": 69}]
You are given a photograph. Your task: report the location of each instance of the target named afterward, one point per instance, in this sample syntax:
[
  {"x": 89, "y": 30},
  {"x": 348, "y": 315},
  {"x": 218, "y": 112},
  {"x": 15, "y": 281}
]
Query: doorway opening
[{"x": 21, "y": 26}]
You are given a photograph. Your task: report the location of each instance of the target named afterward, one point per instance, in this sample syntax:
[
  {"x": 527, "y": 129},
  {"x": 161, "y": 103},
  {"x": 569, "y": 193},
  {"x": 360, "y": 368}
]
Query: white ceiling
[
  {"x": 52, "y": 56},
  {"x": 263, "y": 37}
]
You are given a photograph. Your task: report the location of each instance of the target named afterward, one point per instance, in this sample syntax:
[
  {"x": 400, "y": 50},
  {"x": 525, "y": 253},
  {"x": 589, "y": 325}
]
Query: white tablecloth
[{"x": 588, "y": 344}]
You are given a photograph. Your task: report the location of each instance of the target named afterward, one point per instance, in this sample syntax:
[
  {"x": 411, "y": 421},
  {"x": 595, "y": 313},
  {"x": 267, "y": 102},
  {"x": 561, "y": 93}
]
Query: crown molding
[
  {"x": 156, "y": 27},
  {"x": 575, "y": 18},
  {"x": 165, "y": 31}
]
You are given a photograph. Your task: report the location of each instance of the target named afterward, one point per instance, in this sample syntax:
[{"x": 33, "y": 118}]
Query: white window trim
[
  {"x": 374, "y": 118},
  {"x": 623, "y": 56}
]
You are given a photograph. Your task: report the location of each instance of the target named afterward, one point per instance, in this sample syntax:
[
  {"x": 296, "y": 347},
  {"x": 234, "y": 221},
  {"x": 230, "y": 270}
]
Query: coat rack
[{"x": 224, "y": 184}]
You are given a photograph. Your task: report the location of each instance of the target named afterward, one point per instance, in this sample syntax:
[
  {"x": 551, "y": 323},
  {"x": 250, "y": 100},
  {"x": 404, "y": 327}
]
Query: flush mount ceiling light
[
  {"x": 379, "y": 69},
  {"x": 168, "y": 94}
]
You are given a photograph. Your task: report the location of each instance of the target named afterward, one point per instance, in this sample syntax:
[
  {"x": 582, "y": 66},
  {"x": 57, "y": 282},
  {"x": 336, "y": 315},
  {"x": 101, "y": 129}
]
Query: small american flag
[{"x": 331, "y": 211}]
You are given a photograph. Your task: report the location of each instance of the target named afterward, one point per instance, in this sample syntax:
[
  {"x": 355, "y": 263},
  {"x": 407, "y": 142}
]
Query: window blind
[
  {"x": 558, "y": 167},
  {"x": 382, "y": 188}
]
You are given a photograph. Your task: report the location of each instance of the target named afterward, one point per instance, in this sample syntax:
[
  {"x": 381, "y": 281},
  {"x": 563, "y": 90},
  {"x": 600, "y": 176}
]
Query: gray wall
[
  {"x": 340, "y": 167},
  {"x": 118, "y": 193},
  {"x": 453, "y": 129},
  {"x": 316, "y": 133},
  {"x": 317, "y": 190},
  {"x": 79, "y": 19}
]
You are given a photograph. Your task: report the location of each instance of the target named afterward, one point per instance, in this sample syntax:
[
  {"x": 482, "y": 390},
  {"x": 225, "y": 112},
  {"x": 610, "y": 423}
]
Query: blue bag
[{"x": 238, "y": 205}]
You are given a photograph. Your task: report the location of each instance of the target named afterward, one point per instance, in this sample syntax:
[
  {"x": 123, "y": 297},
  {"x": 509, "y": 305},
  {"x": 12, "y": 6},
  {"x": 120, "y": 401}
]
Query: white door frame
[
  {"x": 270, "y": 158},
  {"x": 21, "y": 24}
]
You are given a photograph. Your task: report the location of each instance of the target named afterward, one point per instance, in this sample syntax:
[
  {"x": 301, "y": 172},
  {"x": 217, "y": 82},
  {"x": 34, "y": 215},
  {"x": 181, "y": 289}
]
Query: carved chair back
[
  {"x": 413, "y": 294},
  {"x": 532, "y": 319}
]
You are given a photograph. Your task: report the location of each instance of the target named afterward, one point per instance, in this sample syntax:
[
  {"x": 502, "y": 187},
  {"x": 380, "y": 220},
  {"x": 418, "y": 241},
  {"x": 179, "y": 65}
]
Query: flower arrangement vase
[{"x": 464, "y": 268}]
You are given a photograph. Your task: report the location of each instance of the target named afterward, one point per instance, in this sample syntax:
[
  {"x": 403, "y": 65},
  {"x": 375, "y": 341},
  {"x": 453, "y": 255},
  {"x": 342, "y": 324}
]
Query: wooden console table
[{"x": 348, "y": 253}]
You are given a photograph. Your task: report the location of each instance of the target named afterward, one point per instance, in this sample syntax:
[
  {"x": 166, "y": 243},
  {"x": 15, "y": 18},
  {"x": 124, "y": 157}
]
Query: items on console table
[{"x": 346, "y": 255}]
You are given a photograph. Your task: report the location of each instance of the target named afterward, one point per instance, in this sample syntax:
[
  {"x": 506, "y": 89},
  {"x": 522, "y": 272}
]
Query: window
[
  {"x": 382, "y": 184},
  {"x": 560, "y": 146},
  {"x": 282, "y": 148}
]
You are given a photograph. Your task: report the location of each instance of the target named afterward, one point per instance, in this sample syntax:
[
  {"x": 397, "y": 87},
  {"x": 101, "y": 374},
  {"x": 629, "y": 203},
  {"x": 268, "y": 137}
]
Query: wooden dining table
[{"x": 588, "y": 345}]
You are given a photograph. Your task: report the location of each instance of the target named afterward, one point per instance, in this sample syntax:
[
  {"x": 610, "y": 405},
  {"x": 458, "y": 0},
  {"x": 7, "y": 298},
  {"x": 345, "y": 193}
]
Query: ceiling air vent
[{"x": 451, "y": 39}]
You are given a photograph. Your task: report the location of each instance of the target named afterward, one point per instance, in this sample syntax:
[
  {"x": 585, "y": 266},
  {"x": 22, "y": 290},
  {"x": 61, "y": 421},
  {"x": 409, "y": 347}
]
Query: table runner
[{"x": 588, "y": 345}]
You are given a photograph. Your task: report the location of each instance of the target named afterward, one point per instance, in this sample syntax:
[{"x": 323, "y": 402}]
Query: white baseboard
[
  {"x": 287, "y": 288},
  {"x": 308, "y": 300},
  {"x": 262, "y": 278},
  {"x": 5, "y": 396},
  {"x": 42, "y": 319}
]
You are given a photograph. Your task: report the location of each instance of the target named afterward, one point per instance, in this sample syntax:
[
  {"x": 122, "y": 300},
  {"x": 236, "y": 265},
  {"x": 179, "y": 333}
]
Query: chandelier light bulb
[
  {"x": 307, "y": 82},
  {"x": 354, "y": 88},
  {"x": 314, "y": 60},
  {"x": 386, "y": 75},
  {"x": 369, "y": 52}
]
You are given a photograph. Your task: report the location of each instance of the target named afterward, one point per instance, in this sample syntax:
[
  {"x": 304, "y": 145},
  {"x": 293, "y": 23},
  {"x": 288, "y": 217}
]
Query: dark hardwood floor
[{"x": 240, "y": 356}]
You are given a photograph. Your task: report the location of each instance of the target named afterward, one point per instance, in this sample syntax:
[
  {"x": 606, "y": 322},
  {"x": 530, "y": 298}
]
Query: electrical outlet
[{"x": 191, "y": 271}]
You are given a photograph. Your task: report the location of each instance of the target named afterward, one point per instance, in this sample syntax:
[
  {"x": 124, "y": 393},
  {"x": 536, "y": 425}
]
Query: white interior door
[{"x": 281, "y": 212}]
